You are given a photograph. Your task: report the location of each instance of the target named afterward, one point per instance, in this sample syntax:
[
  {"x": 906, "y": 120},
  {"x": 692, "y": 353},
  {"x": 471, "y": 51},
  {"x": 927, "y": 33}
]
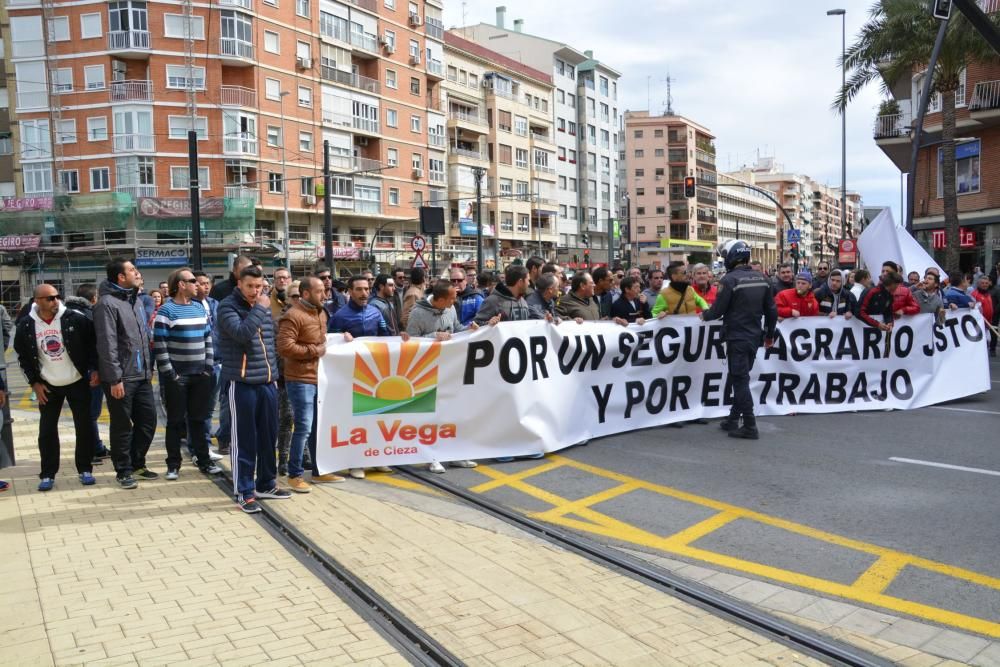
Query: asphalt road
[{"x": 830, "y": 473}]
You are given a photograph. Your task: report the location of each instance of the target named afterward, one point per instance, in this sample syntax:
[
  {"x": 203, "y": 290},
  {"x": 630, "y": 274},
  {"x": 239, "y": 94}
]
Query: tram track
[{"x": 794, "y": 636}]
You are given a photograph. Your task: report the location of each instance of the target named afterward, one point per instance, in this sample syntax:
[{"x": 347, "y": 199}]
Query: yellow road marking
[
  {"x": 868, "y": 588},
  {"x": 878, "y": 577},
  {"x": 503, "y": 479}
]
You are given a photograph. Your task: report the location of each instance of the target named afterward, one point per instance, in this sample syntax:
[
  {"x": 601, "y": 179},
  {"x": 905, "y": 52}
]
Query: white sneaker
[
  {"x": 357, "y": 473},
  {"x": 214, "y": 455},
  {"x": 436, "y": 467},
  {"x": 172, "y": 475},
  {"x": 463, "y": 464}
]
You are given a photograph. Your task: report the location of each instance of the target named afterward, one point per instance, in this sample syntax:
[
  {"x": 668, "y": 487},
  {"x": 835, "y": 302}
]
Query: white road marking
[
  {"x": 982, "y": 412},
  {"x": 948, "y": 466}
]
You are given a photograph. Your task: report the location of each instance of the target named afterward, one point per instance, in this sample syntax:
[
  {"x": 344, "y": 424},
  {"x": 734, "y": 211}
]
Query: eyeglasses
[
  {"x": 49, "y": 298},
  {"x": 324, "y": 277},
  {"x": 296, "y": 296},
  {"x": 458, "y": 280}
]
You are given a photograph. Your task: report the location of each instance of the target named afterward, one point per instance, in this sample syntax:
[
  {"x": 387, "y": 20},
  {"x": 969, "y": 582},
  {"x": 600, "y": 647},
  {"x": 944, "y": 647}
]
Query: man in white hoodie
[{"x": 57, "y": 352}]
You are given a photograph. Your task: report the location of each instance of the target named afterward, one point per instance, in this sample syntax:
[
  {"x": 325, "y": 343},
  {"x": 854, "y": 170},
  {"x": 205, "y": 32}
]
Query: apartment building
[
  {"x": 660, "y": 152},
  {"x": 795, "y": 194},
  {"x": 585, "y": 118},
  {"x": 499, "y": 127},
  {"x": 828, "y": 225},
  {"x": 977, "y": 120},
  {"x": 745, "y": 213},
  {"x": 106, "y": 92}
]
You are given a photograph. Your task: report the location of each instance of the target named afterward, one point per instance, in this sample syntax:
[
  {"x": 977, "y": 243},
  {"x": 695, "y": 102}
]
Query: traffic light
[
  {"x": 585, "y": 240},
  {"x": 689, "y": 184}
]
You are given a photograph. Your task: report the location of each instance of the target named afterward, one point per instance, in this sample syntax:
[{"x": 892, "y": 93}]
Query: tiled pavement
[{"x": 173, "y": 573}]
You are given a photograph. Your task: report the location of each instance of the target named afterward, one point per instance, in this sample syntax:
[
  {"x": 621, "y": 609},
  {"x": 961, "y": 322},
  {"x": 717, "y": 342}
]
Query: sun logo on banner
[{"x": 400, "y": 381}]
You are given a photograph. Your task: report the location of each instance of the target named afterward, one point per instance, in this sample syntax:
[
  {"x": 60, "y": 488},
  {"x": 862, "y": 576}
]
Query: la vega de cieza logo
[{"x": 402, "y": 380}]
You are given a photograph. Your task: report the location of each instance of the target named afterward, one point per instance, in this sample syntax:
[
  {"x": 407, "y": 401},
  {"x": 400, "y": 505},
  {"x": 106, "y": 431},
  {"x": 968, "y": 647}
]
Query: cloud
[{"x": 761, "y": 76}]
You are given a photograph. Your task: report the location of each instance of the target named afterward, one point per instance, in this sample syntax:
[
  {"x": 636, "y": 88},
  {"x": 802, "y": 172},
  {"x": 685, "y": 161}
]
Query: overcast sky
[{"x": 760, "y": 75}]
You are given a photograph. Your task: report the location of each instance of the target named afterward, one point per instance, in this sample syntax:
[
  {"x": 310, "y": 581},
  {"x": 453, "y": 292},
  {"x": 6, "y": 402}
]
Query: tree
[{"x": 894, "y": 44}]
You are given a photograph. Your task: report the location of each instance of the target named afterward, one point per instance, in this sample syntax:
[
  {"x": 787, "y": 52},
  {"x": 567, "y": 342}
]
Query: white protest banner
[
  {"x": 883, "y": 240},
  {"x": 526, "y": 387}
]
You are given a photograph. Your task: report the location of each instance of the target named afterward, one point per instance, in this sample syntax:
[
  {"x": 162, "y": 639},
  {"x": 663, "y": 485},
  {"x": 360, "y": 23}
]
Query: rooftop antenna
[
  {"x": 649, "y": 103},
  {"x": 670, "y": 98},
  {"x": 464, "y": 12}
]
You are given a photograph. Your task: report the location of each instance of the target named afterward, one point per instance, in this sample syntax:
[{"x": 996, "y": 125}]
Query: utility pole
[
  {"x": 327, "y": 211},
  {"x": 478, "y": 173},
  {"x": 195, "y": 192},
  {"x": 284, "y": 180}
]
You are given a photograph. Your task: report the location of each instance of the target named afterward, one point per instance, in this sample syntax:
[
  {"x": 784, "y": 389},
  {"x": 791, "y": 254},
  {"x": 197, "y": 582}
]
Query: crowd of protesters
[{"x": 252, "y": 345}]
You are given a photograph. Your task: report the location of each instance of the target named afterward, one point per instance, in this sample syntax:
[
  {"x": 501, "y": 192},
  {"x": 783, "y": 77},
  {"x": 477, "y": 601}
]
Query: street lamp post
[
  {"x": 284, "y": 181},
  {"x": 842, "y": 13}
]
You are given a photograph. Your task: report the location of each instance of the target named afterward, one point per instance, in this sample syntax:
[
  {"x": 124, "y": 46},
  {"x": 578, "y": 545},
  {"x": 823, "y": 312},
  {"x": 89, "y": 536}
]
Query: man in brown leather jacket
[{"x": 301, "y": 345}]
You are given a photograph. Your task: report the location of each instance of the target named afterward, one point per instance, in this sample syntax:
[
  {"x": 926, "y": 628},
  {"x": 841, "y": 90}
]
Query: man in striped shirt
[{"x": 182, "y": 343}]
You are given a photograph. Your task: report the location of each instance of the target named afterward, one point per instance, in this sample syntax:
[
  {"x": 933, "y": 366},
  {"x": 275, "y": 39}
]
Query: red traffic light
[{"x": 689, "y": 184}]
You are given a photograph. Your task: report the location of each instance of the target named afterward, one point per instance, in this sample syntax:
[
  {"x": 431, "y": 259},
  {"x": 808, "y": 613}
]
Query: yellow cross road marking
[{"x": 868, "y": 588}]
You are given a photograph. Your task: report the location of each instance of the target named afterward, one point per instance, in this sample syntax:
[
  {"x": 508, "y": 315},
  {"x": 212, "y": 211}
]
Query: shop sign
[
  {"x": 340, "y": 252},
  {"x": 20, "y": 242},
  {"x": 847, "y": 252},
  {"x": 26, "y": 204},
  {"x": 168, "y": 208},
  {"x": 161, "y": 257},
  {"x": 966, "y": 238}
]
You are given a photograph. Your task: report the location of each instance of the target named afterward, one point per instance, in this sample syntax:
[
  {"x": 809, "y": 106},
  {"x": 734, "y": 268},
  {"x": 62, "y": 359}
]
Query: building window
[
  {"x": 639, "y": 152},
  {"x": 272, "y": 42},
  {"x": 272, "y": 89},
  {"x": 70, "y": 180},
  {"x": 639, "y": 192},
  {"x": 179, "y": 179},
  {"x": 67, "y": 131},
  {"x": 392, "y": 157},
  {"x": 90, "y": 26},
  {"x": 179, "y": 126},
  {"x": 35, "y": 141},
  {"x": 59, "y": 29},
  {"x": 302, "y": 8},
  {"x": 392, "y": 118},
  {"x": 640, "y": 210},
  {"x": 306, "y": 142},
  {"x": 37, "y": 178},
  {"x": 177, "y": 77},
  {"x": 414, "y": 85},
  {"x": 393, "y": 196},
  {"x": 504, "y": 154},
  {"x": 639, "y": 173},
  {"x": 97, "y": 128},
  {"x": 390, "y": 79},
  {"x": 274, "y": 183},
  {"x": 417, "y": 161},
  {"x": 306, "y": 186},
  {"x": 62, "y": 79},
  {"x": 415, "y": 124},
  {"x": 521, "y": 158},
  {"x": 100, "y": 179},
  {"x": 305, "y": 97},
  {"x": 967, "y": 168},
  {"x": 637, "y": 134},
  {"x": 176, "y": 26},
  {"x": 657, "y": 133},
  {"x": 93, "y": 77},
  {"x": 658, "y": 152},
  {"x": 273, "y": 135},
  {"x": 661, "y": 210}
]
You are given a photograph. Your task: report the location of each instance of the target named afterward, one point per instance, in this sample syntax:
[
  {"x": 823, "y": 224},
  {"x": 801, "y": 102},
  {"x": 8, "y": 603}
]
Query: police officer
[{"x": 744, "y": 297}]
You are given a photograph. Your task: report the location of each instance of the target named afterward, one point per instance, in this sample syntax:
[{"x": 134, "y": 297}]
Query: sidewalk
[{"x": 174, "y": 573}]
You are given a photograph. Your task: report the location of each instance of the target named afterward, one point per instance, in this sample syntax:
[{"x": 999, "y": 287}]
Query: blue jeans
[
  {"x": 302, "y": 398},
  {"x": 254, "y": 432}
]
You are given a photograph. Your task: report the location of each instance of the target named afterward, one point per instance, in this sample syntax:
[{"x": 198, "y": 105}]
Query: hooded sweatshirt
[
  {"x": 839, "y": 302},
  {"x": 425, "y": 320},
  {"x": 57, "y": 369},
  {"x": 502, "y": 302}
]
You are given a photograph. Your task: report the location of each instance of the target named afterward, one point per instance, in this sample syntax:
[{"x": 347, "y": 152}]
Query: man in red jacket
[
  {"x": 798, "y": 301},
  {"x": 703, "y": 283},
  {"x": 890, "y": 300},
  {"x": 984, "y": 296}
]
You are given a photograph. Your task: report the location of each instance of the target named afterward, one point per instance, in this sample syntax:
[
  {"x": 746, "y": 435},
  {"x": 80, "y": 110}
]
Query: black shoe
[
  {"x": 699, "y": 421},
  {"x": 146, "y": 474},
  {"x": 282, "y": 470},
  {"x": 729, "y": 424},
  {"x": 675, "y": 425},
  {"x": 127, "y": 482},
  {"x": 224, "y": 449},
  {"x": 746, "y": 433}
]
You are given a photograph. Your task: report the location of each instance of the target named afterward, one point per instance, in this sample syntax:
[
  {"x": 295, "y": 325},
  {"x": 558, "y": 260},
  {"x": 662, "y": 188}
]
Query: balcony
[
  {"x": 365, "y": 125},
  {"x": 985, "y": 98},
  {"x": 894, "y": 125},
  {"x": 365, "y": 164},
  {"x": 541, "y": 139},
  {"x": 435, "y": 69},
  {"x": 434, "y": 102},
  {"x": 351, "y": 79},
  {"x": 238, "y": 96},
  {"x": 366, "y": 207},
  {"x": 240, "y": 192},
  {"x": 469, "y": 121},
  {"x": 134, "y": 43},
  {"x": 133, "y": 143},
  {"x": 235, "y": 51},
  {"x": 466, "y": 153},
  {"x": 241, "y": 143},
  {"x": 706, "y": 196},
  {"x": 137, "y": 191},
  {"x": 704, "y": 158},
  {"x": 434, "y": 29},
  {"x": 705, "y": 216},
  {"x": 365, "y": 41},
  {"x": 131, "y": 91},
  {"x": 241, "y": 4}
]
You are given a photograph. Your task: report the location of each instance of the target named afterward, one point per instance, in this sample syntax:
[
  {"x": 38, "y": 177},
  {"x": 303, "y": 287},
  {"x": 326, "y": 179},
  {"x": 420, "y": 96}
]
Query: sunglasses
[
  {"x": 193, "y": 281},
  {"x": 457, "y": 280},
  {"x": 50, "y": 298},
  {"x": 324, "y": 277},
  {"x": 296, "y": 296}
]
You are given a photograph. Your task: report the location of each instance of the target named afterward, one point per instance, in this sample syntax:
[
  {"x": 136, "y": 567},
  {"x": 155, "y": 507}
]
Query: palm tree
[{"x": 898, "y": 39}]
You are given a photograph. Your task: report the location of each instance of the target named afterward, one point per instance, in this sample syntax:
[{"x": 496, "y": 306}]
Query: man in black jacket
[
  {"x": 784, "y": 280},
  {"x": 744, "y": 298},
  {"x": 628, "y": 306},
  {"x": 57, "y": 353},
  {"x": 83, "y": 303},
  {"x": 224, "y": 288}
]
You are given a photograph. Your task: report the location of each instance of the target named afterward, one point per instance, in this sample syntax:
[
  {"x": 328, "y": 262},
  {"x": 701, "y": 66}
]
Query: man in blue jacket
[
  {"x": 249, "y": 366},
  {"x": 357, "y": 317}
]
